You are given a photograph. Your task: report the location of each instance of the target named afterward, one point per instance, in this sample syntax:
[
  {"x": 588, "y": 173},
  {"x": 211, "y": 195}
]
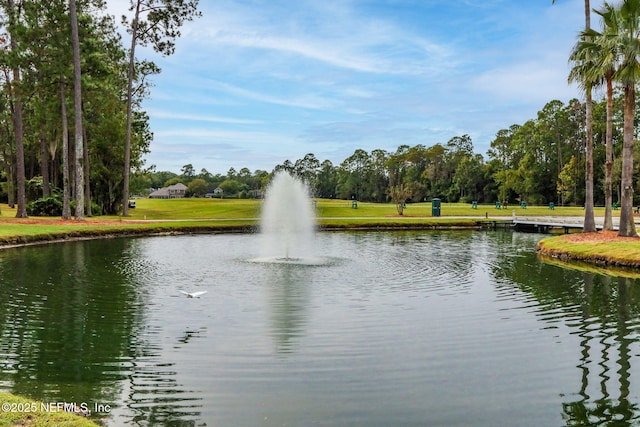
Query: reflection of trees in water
[
  {"x": 154, "y": 396},
  {"x": 64, "y": 312},
  {"x": 605, "y": 312},
  {"x": 73, "y": 329},
  {"x": 608, "y": 408}
]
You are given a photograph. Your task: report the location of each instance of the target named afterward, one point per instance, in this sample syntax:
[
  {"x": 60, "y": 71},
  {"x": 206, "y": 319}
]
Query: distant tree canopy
[
  {"x": 539, "y": 161},
  {"x": 37, "y": 132},
  {"x": 70, "y": 99}
]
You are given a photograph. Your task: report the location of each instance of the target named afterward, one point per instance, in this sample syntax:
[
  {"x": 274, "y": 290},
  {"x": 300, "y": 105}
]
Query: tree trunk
[
  {"x": 9, "y": 171},
  {"x": 627, "y": 224},
  {"x": 77, "y": 106},
  {"x": 589, "y": 219},
  {"x": 608, "y": 166},
  {"x": 18, "y": 129},
  {"x": 587, "y": 14},
  {"x": 44, "y": 165},
  {"x": 87, "y": 171},
  {"x": 127, "y": 142},
  {"x": 66, "y": 205}
]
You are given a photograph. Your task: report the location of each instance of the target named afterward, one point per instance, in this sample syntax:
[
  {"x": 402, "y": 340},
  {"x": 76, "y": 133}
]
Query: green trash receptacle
[
  {"x": 474, "y": 204},
  {"x": 552, "y": 206},
  {"x": 435, "y": 207}
]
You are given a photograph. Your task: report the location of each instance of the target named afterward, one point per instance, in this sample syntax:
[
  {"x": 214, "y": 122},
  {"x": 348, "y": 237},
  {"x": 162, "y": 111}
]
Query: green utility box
[{"x": 435, "y": 207}]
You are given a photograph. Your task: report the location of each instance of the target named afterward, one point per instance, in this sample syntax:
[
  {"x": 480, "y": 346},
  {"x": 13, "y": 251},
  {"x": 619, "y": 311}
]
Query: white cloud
[
  {"x": 159, "y": 114},
  {"x": 308, "y": 100},
  {"x": 267, "y": 81}
]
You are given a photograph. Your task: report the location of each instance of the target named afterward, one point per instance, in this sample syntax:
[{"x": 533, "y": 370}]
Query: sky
[{"x": 253, "y": 83}]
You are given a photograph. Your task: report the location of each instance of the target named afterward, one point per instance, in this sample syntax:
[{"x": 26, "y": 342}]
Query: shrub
[{"x": 45, "y": 206}]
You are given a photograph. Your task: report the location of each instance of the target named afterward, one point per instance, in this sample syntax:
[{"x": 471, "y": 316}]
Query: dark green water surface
[{"x": 392, "y": 329}]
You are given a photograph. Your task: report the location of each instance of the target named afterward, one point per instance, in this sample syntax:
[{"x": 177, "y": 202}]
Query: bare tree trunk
[
  {"x": 87, "y": 186},
  {"x": 18, "y": 130},
  {"x": 44, "y": 165},
  {"x": 66, "y": 204},
  {"x": 589, "y": 218},
  {"x": 587, "y": 14},
  {"x": 627, "y": 224},
  {"x": 127, "y": 142},
  {"x": 9, "y": 170},
  {"x": 608, "y": 166},
  {"x": 77, "y": 106}
]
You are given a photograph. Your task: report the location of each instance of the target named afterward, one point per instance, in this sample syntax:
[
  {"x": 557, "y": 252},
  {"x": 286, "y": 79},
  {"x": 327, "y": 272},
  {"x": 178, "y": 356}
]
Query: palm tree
[
  {"x": 595, "y": 59},
  {"x": 626, "y": 36},
  {"x": 589, "y": 218}
]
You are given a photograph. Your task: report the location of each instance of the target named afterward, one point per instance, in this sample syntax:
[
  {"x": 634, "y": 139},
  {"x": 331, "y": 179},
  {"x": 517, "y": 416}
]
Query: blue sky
[{"x": 256, "y": 82}]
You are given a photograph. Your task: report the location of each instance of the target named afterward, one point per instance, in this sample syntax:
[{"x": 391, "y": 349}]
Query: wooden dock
[
  {"x": 547, "y": 224},
  {"x": 495, "y": 223},
  {"x": 542, "y": 224}
]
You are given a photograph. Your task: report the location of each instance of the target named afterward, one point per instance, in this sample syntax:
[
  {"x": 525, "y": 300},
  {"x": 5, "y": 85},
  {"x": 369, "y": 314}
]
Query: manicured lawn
[
  {"x": 18, "y": 411},
  {"x": 596, "y": 248},
  {"x": 195, "y": 215},
  {"x": 196, "y": 208},
  {"x": 188, "y": 213},
  {"x": 157, "y": 209},
  {"x": 343, "y": 208}
]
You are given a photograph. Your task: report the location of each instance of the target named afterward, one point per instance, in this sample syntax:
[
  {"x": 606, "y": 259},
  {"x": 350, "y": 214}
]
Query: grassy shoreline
[
  {"x": 214, "y": 215},
  {"x": 182, "y": 216},
  {"x": 20, "y": 411},
  {"x": 602, "y": 249}
]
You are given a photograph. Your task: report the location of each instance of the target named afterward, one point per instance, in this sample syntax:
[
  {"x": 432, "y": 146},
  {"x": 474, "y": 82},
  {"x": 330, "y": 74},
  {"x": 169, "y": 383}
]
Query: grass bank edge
[
  {"x": 16, "y": 234},
  {"x": 622, "y": 254},
  {"x": 231, "y": 215},
  {"x": 19, "y": 411}
]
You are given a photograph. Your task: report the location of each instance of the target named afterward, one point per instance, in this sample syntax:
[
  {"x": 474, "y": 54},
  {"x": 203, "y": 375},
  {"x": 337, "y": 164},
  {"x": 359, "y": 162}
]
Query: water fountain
[{"x": 288, "y": 222}]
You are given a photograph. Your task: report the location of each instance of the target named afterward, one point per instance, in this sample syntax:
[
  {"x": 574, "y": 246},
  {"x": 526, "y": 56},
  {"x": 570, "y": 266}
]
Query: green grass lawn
[
  {"x": 194, "y": 208},
  {"x": 199, "y": 214},
  {"x": 158, "y": 209},
  {"x": 625, "y": 252},
  {"x": 194, "y": 214},
  {"x": 19, "y": 411},
  {"x": 239, "y": 212}
]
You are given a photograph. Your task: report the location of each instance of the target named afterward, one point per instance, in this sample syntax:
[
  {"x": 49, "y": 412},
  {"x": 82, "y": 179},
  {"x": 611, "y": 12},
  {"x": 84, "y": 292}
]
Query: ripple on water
[{"x": 429, "y": 330}]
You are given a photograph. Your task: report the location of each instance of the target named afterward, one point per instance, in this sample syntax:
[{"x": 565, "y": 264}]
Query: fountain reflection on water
[
  {"x": 288, "y": 223},
  {"x": 438, "y": 328}
]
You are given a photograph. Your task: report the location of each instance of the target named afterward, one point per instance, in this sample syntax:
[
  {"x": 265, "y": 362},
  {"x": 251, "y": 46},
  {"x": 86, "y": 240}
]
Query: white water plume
[{"x": 288, "y": 220}]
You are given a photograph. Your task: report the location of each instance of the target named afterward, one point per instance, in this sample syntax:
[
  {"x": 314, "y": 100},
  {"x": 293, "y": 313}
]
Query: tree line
[
  {"x": 552, "y": 157},
  {"x": 539, "y": 161},
  {"x": 71, "y": 123},
  {"x": 65, "y": 58}
]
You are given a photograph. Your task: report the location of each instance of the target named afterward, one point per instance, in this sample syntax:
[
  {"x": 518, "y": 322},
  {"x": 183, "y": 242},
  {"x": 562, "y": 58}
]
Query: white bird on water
[{"x": 194, "y": 294}]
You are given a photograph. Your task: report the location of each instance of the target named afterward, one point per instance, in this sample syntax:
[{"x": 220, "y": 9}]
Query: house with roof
[{"x": 175, "y": 191}]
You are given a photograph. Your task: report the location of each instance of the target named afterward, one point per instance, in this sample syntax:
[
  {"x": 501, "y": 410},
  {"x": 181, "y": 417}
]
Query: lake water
[{"x": 451, "y": 328}]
